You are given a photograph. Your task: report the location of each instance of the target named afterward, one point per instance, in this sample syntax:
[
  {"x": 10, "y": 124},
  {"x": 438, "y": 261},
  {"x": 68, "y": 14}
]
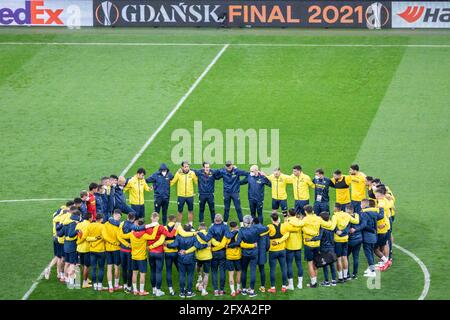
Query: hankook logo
[{"x": 107, "y": 13}]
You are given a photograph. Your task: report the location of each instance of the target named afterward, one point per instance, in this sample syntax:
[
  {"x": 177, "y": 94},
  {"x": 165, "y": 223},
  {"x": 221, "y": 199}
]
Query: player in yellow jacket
[
  {"x": 301, "y": 184},
  {"x": 342, "y": 220},
  {"x": 170, "y": 255},
  {"x": 185, "y": 179},
  {"x": 358, "y": 187},
  {"x": 58, "y": 248},
  {"x": 342, "y": 185},
  {"x": 293, "y": 249},
  {"x": 83, "y": 247},
  {"x": 311, "y": 224},
  {"x": 203, "y": 257},
  {"x": 233, "y": 255},
  {"x": 59, "y": 224},
  {"x": 138, "y": 242},
  {"x": 277, "y": 251},
  {"x": 279, "y": 195},
  {"x": 136, "y": 187},
  {"x": 384, "y": 227},
  {"x": 96, "y": 250},
  {"x": 112, "y": 248}
]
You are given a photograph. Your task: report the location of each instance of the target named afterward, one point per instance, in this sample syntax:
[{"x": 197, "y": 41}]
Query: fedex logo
[{"x": 33, "y": 13}]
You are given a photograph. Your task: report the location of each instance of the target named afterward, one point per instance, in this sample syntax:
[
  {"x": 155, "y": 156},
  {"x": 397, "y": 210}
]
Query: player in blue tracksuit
[
  {"x": 369, "y": 216},
  {"x": 101, "y": 203},
  {"x": 355, "y": 239},
  {"x": 251, "y": 234},
  {"x": 217, "y": 231},
  {"x": 231, "y": 188},
  {"x": 161, "y": 187},
  {"x": 70, "y": 233},
  {"x": 321, "y": 189},
  {"x": 206, "y": 185},
  {"x": 117, "y": 198},
  {"x": 256, "y": 183},
  {"x": 326, "y": 238},
  {"x": 186, "y": 260}
]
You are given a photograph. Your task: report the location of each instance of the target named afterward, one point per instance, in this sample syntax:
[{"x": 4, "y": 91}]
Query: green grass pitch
[{"x": 70, "y": 114}]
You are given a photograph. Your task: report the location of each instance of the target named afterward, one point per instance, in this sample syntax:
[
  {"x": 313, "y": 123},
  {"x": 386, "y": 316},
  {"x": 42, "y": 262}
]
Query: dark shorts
[
  {"x": 310, "y": 253},
  {"x": 299, "y": 204},
  {"x": 139, "y": 265},
  {"x": 279, "y": 203},
  {"x": 341, "y": 248},
  {"x": 55, "y": 248},
  {"x": 206, "y": 264},
  {"x": 382, "y": 239},
  {"x": 342, "y": 206},
  {"x": 60, "y": 250},
  {"x": 113, "y": 257},
  {"x": 185, "y": 200},
  {"x": 233, "y": 265},
  {"x": 85, "y": 258},
  {"x": 321, "y": 207},
  {"x": 71, "y": 257}
]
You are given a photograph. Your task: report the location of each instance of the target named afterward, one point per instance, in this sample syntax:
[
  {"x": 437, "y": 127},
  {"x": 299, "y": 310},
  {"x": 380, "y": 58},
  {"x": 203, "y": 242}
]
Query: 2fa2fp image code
[
  {"x": 46, "y": 13},
  {"x": 340, "y": 14},
  {"x": 421, "y": 14}
]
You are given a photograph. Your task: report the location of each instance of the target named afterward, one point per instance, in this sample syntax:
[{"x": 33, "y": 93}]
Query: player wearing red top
[
  {"x": 156, "y": 252},
  {"x": 90, "y": 203}
]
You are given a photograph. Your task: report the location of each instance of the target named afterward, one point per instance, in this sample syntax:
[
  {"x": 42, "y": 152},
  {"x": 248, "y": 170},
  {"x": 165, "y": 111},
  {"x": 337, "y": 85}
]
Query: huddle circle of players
[{"x": 88, "y": 232}]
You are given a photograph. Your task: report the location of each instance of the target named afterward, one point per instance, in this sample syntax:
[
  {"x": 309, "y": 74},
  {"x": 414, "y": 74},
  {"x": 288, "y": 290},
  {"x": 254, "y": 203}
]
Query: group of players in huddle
[{"x": 89, "y": 231}]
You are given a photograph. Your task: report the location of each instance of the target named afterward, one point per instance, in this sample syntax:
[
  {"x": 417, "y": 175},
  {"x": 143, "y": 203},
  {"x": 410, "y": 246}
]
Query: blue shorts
[
  {"x": 113, "y": 257},
  {"x": 188, "y": 200},
  {"x": 55, "y": 248},
  {"x": 233, "y": 265},
  {"x": 321, "y": 207},
  {"x": 206, "y": 264},
  {"x": 71, "y": 257},
  {"x": 382, "y": 239},
  {"x": 60, "y": 250},
  {"x": 310, "y": 253},
  {"x": 139, "y": 265},
  {"x": 299, "y": 204},
  {"x": 342, "y": 206},
  {"x": 341, "y": 249},
  {"x": 85, "y": 258},
  {"x": 279, "y": 203}
]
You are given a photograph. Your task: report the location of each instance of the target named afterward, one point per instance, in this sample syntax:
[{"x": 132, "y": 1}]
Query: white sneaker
[
  {"x": 290, "y": 287},
  {"x": 204, "y": 292},
  {"x": 300, "y": 285},
  {"x": 47, "y": 273},
  {"x": 159, "y": 293}
]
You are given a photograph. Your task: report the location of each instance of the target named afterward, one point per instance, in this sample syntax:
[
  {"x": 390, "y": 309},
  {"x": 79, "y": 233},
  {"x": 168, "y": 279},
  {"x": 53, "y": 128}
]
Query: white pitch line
[
  {"x": 175, "y": 109},
  {"x": 145, "y": 146},
  {"x": 424, "y": 268},
  {"x": 337, "y": 45},
  {"x": 422, "y": 265}
]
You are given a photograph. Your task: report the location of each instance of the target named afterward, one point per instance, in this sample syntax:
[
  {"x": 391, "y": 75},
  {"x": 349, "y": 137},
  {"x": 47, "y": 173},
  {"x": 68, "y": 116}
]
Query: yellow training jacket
[
  {"x": 343, "y": 194},
  {"x": 94, "y": 237},
  {"x": 342, "y": 219},
  {"x": 311, "y": 225},
  {"x": 136, "y": 188},
  {"x": 185, "y": 183},
  {"x": 203, "y": 254},
  {"x": 139, "y": 245},
  {"x": 82, "y": 245},
  {"x": 278, "y": 236},
  {"x": 279, "y": 186},
  {"x": 61, "y": 218},
  {"x": 293, "y": 226},
  {"x": 301, "y": 185},
  {"x": 358, "y": 185},
  {"x": 109, "y": 234},
  {"x": 167, "y": 241},
  {"x": 233, "y": 253},
  {"x": 56, "y": 219},
  {"x": 384, "y": 224}
]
